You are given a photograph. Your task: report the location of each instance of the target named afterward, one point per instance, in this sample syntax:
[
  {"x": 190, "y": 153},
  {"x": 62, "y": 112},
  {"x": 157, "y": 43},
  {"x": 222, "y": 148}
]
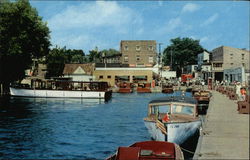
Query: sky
[{"x": 103, "y": 24}]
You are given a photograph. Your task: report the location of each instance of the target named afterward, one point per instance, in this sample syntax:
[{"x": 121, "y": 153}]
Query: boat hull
[
  {"x": 59, "y": 93},
  {"x": 176, "y": 132}
]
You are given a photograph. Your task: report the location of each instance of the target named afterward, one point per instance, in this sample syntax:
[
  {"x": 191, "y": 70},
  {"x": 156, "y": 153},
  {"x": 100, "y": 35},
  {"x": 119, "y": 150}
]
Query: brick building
[
  {"x": 228, "y": 58},
  {"x": 138, "y": 53}
]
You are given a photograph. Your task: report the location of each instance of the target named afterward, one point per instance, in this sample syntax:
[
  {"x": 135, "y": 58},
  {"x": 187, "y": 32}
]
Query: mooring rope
[{"x": 187, "y": 150}]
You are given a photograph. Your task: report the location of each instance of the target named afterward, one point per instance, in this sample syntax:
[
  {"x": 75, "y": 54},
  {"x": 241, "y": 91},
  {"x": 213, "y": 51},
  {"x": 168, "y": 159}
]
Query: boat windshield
[
  {"x": 182, "y": 109},
  {"x": 172, "y": 109},
  {"x": 160, "y": 109}
]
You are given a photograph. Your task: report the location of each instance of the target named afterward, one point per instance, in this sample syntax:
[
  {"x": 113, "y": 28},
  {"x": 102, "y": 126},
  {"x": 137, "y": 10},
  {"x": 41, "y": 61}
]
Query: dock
[{"x": 225, "y": 133}]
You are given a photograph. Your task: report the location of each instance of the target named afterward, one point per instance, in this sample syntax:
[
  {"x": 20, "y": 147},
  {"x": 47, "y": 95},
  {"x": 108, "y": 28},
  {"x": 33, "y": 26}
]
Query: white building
[{"x": 204, "y": 66}]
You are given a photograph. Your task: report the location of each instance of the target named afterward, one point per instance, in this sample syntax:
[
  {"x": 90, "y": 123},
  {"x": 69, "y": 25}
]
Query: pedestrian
[
  {"x": 243, "y": 93},
  {"x": 237, "y": 88},
  {"x": 203, "y": 84}
]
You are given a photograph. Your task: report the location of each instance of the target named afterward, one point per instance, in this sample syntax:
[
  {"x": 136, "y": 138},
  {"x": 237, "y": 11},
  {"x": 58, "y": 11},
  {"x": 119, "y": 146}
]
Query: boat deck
[{"x": 174, "y": 118}]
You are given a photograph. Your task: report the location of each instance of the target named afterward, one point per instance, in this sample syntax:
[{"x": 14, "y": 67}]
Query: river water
[{"x": 35, "y": 128}]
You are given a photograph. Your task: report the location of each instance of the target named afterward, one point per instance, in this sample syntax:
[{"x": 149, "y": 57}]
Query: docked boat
[
  {"x": 148, "y": 150},
  {"x": 167, "y": 89},
  {"x": 125, "y": 87},
  {"x": 63, "y": 89},
  {"x": 144, "y": 88},
  {"x": 203, "y": 98},
  {"x": 173, "y": 119}
]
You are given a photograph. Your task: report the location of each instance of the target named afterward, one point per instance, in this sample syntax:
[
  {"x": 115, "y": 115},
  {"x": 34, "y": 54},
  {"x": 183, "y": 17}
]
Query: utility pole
[
  {"x": 159, "y": 62},
  {"x": 171, "y": 60}
]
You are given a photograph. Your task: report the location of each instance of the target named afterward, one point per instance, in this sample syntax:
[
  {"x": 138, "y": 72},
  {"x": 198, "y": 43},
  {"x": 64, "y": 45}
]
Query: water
[{"x": 35, "y": 128}]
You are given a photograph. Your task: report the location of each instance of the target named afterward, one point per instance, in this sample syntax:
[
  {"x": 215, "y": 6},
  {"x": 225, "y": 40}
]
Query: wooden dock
[{"x": 225, "y": 133}]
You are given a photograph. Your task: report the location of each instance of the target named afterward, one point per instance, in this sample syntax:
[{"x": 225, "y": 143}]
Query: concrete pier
[{"x": 225, "y": 131}]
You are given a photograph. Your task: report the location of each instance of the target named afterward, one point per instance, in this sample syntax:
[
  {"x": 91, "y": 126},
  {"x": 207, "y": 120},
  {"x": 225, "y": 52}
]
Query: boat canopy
[{"x": 181, "y": 99}]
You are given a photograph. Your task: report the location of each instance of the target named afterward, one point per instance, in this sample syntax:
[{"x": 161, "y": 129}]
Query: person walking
[{"x": 238, "y": 86}]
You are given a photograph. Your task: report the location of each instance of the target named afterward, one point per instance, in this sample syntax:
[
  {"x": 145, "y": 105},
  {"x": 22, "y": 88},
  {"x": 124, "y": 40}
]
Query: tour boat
[
  {"x": 173, "y": 119},
  {"x": 148, "y": 150},
  {"x": 203, "y": 98},
  {"x": 63, "y": 89}
]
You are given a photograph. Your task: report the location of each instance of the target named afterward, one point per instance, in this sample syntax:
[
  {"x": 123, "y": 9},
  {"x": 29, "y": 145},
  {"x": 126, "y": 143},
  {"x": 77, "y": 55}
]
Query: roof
[
  {"x": 71, "y": 68},
  {"x": 181, "y": 99}
]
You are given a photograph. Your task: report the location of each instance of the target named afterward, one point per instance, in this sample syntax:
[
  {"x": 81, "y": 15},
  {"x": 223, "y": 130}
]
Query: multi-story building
[
  {"x": 204, "y": 65},
  {"x": 224, "y": 58},
  {"x": 138, "y": 53}
]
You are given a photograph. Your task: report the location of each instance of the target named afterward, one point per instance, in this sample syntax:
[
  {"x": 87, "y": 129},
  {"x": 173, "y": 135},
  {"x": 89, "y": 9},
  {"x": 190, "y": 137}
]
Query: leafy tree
[
  {"x": 94, "y": 56},
  {"x": 110, "y": 52},
  {"x": 72, "y": 56},
  {"x": 78, "y": 58},
  {"x": 55, "y": 61},
  {"x": 181, "y": 52},
  {"x": 23, "y": 36}
]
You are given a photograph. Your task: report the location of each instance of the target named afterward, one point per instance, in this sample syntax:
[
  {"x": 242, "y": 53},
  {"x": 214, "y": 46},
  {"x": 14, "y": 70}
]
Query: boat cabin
[{"x": 173, "y": 109}]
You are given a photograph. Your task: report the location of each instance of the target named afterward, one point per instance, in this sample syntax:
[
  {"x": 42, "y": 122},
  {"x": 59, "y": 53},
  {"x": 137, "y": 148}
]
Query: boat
[
  {"x": 63, "y": 89},
  {"x": 203, "y": 98},
  {"x": 173, "y": 119},
  {"x": 195, "y": 89},
  {"x": 144, "y": 88},
  {"x": 125, "y": 87},
  {"x": 167, "y": 89},
  {"x": 148, "y": 150}
]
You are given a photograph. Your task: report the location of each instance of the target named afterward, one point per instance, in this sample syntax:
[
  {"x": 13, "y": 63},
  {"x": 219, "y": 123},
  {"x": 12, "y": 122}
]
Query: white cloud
[
  {"x": 88, "y": 15},
  {"x": 210, "y": 20},
  {"x": 172, "y": 24},
  {"x": 204, "y": 39},
  {"x": 91, "y": 24},
  {"x": 190, "y": 7}
]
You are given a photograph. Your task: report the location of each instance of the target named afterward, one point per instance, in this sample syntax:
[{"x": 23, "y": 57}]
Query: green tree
[
  {"x": 55, "y": 61},
  {"x": 110, "y": 52},
  {"x": 94, "y": 56},
  {"x": 75, "y": 56},
  {"x": 23, "y": 36},
  {"x": 181, "y": 52}
]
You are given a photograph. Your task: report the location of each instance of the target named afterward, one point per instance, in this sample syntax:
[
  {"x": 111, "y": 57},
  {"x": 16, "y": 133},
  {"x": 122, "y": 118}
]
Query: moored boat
[
  {"x": 148, "y": 150},
  {"x": 144, "y": 88},
  {"x": 125, "y": 87},
  {"x": 167, "y": 89},
  {"x": 173, "y": 119},
  {"x": 203, "y": 98},
  {"x": 63, "y": 89}
]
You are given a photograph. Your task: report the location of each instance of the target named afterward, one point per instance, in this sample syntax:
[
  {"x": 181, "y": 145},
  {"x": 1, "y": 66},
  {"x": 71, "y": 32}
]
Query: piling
[{"x": 225, "y": 133}]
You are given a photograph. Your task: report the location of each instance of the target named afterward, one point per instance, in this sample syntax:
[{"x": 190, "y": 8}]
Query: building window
[
  {"x": 242, "y": 56},
  {"x": 150, "y": 59},
  {"x": 100, "y": 77},
  {"x": 138, "y": 58},
  {"x": 150, "y": 48},
  {"x": 243, "y": 64},
  {"x": 125, "y": 58},
  {"x": 126, "y": 48},
  {"x": 138, "y": 48},
  {"x": 217, "y": 64},
  {"x": 232, "y": 64},
  {"x": 109, "y": 77}
]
